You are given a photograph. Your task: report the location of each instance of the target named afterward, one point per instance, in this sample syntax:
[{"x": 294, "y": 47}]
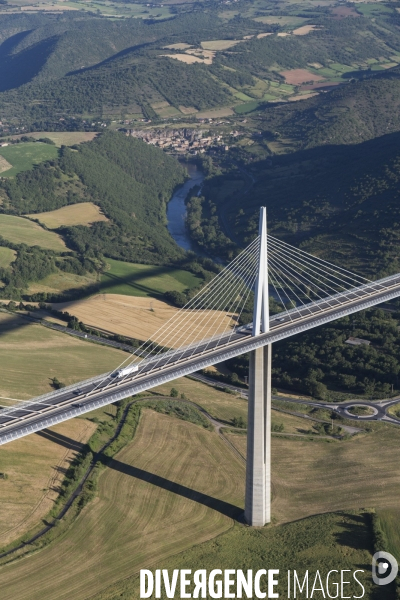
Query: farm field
[
  {"x": 356, "y": 476},
  {"x": 35, "y": 466},
  {"x": 304, "y": 29},
  {"x": 243, "y": 109},
  {"x": 31, "y": 354},
  {"x": 215, "y": 113},
  {"x": 302, "y": 97},
  {"x": 298, "y": 76},
  {"x": 7, "y": 256},
  {"x": 139, "y": 318},
  {"x": 133, "y": 279},
  {"x": 166, "y": 447},
  {"x": 341, "y": 12},
  {"x": 189, "y": 59},
  {"x": 284, "y": 21},
  {"x": 84, "y": 213},
  {"x": 22, "y": 231},
  {"x": 61, "y": 281},
  {"x": 178, "y": 46},
  {"x": 219, "y": 44},
  {"x": 24, "y": 156},
  {"x": 62, "y": 138},
  {"x": 144, "y": 512}
]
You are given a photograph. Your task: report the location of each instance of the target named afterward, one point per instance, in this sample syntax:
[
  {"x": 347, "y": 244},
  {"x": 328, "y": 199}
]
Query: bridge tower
[{"x": 257, "y": 510}]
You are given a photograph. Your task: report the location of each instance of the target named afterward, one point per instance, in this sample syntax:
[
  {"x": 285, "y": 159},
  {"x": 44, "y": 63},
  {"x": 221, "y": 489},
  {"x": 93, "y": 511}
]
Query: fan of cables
[
  {"x": 299, "y": 278},
  {"x": 212, "y": 314},
  {"x": 296, "y": 279}
]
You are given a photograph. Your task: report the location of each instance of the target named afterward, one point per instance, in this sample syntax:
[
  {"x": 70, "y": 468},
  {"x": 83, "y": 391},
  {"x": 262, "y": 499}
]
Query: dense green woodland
[
  {"x": 80, "y": 64},
  {"x": 342, "y": 41},
  {"x": 132, "y": 86},
  {"x": 349, "y": 114},
  {"x": 340, "y": 202},
  {"x": 74, "y": 64},
  {"x": 129, "y": 180},
  {"x": 319, "y": 362}
]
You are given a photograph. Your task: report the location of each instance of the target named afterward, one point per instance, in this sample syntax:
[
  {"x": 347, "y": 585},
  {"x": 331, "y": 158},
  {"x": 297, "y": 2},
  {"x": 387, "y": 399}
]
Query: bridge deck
[{"x": 64, "y": 404}]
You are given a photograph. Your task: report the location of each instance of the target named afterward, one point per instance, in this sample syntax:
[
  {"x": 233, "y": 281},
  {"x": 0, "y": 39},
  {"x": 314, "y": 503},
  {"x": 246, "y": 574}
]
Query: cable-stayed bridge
[{"x": 308, "y": 292}]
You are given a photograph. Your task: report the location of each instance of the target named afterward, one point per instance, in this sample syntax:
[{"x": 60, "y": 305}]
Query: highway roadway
[{"x": 64, "y": 404}]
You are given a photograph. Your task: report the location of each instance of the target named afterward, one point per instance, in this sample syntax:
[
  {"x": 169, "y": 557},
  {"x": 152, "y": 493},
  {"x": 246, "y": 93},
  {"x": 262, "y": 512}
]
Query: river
[
  {"x": 176, "y": 209},
  {"x": 176, "y": 214}
]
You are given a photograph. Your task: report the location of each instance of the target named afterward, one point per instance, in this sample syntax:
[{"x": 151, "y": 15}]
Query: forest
[
  {"x": 131, "y": 182},
  {"x": 337, "y": 201},
  {"x": 319, "y": 362},
  {"x": 365, "y": 109},
  {"x": 74, "y": 66}
]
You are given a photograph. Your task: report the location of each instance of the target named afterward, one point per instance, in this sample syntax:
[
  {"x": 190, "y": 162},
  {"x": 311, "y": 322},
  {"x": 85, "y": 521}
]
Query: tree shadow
[{"x": 356, "y": 532}]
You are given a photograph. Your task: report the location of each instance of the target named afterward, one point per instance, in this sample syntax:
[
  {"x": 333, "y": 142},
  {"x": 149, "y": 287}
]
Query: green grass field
[
  {"x": 22, "y": 231},
  {"x": 31, "y": 354},
  {"x": 394, "y": 410},
  {"x": 60, "y": 281},
  {"x": 373, "y": 9},
  {"x": 324, "y": 542},
  {"x": 389, "y": 520},
  {"x": 132, "y": 279},
  {"x": 7, "y": 256},
  {"x": 25, "y": 155},
  {"x": 363, "y": 411},
  {"x": 248, "y": 107},
  {"x": 62, "y": 138},
  {"x": 220, "y": 405},
  {"x": 341, "y": 68}
]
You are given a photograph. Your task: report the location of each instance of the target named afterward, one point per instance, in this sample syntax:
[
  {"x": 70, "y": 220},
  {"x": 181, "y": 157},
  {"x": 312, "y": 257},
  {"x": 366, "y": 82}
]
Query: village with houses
[{"x": 183, "y": 141}]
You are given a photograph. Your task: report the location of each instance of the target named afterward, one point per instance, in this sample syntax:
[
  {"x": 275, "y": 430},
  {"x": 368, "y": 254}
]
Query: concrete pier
[{"x": 258, "y": 470}]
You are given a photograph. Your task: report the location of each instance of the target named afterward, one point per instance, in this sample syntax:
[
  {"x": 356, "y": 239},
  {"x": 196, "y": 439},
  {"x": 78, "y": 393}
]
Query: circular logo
[{"x": 384, "y": 568}]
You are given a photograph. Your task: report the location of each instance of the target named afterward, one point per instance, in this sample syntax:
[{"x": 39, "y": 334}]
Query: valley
[{"x": 138, "y": 142}]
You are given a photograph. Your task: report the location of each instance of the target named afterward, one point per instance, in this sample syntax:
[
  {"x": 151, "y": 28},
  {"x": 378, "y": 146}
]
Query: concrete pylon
[{"x": 258, "y": 469}]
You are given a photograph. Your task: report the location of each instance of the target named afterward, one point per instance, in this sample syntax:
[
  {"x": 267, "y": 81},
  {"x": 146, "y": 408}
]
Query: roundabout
[{"x": 360, "y": 411}]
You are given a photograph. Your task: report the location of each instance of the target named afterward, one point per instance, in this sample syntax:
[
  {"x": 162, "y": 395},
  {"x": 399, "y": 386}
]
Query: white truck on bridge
[{"x": 125, "y": 371}]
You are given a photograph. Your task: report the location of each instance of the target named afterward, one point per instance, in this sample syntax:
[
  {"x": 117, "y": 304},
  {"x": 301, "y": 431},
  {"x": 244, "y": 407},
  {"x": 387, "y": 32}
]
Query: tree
[
  {"x": 239, "y": 422},
  {"x": 174, "y": 393},
  {"x": 57, "y": 385}
]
